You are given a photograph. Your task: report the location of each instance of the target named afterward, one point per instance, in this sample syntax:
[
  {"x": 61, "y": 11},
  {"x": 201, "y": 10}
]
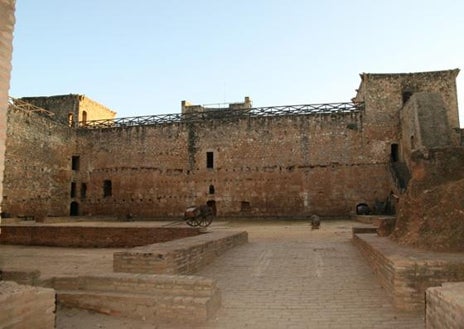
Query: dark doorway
[
  {"x": 394, "y": 153},
  {"x": 74, "y": 209},
  {"x": 212, "y": 205}
]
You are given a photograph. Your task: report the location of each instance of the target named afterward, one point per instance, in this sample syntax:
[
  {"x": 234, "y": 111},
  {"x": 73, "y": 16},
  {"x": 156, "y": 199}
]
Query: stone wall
[
  {"x": 80, "y": 107},
  {"x": 185, "y": 256},
  {"x": 406, "y": 273},
  {"x": 445, "y": 306},
  {"x": 153, "y": 298},
  {"x": 272, "y": 166},
  {"x": 26, "y": 307},
  {"x": 38, "y": 175},
  {"x": 92, "y": 237},
  {"x": 7, "y": 21}
]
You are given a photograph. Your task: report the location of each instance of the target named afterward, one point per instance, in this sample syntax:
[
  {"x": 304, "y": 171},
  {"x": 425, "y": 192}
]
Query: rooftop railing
[{"x": 225, "y": 114}]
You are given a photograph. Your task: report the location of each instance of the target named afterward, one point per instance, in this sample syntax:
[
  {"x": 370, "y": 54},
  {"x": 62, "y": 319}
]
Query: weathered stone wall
[
  {"x": 93, "y": 110},
  {"x": 38, "y": 165},
  {"x": 153, "y": 298},
  {"x": 92, "y": 237},
  {"x": 64, "y": 105},
  {"x": 26, "y": 306},
  {"x": 7, "y": 21},
  {"x": 271, "y": 166},
  {"x": 184, "y": 256},
  {"x": 406, "y": 273},
  {"x": 445, "y": 306}
]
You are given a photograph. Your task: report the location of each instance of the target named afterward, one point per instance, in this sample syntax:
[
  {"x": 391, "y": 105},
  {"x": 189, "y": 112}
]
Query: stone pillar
[{"x": 7, "y": 20}]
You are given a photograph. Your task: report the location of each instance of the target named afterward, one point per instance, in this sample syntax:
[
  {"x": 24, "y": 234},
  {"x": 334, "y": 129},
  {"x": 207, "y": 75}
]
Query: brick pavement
[{"x": 286, "y": 277}]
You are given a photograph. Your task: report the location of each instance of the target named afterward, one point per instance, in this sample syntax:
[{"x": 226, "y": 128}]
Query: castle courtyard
[{"x": 287, "y": 276}]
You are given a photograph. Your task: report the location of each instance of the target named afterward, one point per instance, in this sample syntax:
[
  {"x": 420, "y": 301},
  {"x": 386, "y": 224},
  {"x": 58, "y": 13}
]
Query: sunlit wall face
[{"x": 7, "y": 20}]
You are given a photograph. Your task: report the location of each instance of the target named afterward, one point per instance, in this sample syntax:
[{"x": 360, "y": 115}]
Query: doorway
[{"x": 74, "y": 209}]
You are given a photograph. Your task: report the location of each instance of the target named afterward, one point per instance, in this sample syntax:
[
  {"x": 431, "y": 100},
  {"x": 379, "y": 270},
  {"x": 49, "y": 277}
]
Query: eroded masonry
[{"x": 68, "y": 155}]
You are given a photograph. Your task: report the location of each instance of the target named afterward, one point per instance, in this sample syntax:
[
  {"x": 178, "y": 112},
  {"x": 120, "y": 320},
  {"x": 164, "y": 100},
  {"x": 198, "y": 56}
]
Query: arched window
[{"x": 211, "y": 189}]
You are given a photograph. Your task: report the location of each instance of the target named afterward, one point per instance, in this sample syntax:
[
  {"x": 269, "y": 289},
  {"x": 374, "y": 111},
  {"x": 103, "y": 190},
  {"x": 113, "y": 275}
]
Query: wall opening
[
  {"x": 211, "y": 189},
  {"x": 413, "y": 142},
  {"x": 83, "y": 190},
  {"x": 406, "y": 95},
  {"x": 209, "y": 160},
  {"x": 107, "y": 188},
  {"x": 75, "y": 162},
  {"x": 84, "y": 118},
  {"x": 74, "y": 209},
  {"x": 394, "y": 153},
  {"x": 212, "y": 205},
  {"x": 70, "y": 120},
  {"x": 245, "y": 206},
  {"x": 73, "y": 190}
]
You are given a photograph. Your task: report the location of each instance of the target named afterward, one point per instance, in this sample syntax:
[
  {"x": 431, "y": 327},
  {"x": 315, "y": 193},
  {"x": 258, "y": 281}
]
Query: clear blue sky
[{"x": 144, "y": 56}]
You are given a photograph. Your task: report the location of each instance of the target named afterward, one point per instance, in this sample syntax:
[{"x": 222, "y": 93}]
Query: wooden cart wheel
[{"x": 205, "y": 221}]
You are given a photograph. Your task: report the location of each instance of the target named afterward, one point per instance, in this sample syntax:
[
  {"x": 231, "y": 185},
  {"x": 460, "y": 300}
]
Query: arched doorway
[
  {"x": 212, "y": 205},
  {"x": 74, "y": 209}
]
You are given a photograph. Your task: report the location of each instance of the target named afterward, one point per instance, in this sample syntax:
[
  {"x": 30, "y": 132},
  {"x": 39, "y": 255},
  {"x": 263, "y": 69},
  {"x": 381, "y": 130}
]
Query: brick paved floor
[
  {"x": 291, "y": 277},
  {"x": 286, "y": 277}
]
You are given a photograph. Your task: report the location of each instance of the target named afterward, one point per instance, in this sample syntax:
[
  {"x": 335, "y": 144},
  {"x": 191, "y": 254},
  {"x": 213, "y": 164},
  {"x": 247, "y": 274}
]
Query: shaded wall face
[
  {"x": 38, "y": 166},
  {"x": 61, "y": 106},
  {"x": 7, "y": 21},
  {"x": 265, "y": 166}
]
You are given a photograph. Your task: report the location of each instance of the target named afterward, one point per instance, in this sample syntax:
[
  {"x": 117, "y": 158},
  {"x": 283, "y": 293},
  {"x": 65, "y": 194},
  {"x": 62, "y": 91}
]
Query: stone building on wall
[{"x": 243, "y": 161}]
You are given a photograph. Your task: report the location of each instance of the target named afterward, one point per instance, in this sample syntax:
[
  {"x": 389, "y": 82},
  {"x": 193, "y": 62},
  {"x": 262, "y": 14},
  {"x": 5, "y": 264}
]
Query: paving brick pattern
[{"x": 288, "y": 276}]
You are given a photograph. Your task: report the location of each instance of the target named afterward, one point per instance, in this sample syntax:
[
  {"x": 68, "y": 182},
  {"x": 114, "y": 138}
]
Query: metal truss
[{"x": 226, "y": 114}]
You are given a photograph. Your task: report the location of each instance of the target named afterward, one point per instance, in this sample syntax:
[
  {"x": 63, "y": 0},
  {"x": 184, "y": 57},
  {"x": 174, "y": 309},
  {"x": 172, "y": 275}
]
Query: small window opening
[
  {"x": 406, "y": 95},
  {"x": 211, "y": 189},
  {"x": 83, "y": 190},
  {"x": 70, "y": 120},
  {"x": 84, "y": 117},
  {"x": 245, "y": 206},
  {"x": 394, "y": 153},
  {"x": 75, "y": 162},
  {"x": 73, "y": 190},
  {"x": 413, "y": 143},
  {"x": 209, "y": 160},
  {"x": 107, "y": 188}
]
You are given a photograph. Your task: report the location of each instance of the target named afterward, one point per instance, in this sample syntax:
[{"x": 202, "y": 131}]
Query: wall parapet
[{"x": 227, "y": 114}]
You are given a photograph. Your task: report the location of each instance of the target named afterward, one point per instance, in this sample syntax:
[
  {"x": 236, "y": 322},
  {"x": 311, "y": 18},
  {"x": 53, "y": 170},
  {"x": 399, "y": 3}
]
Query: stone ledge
[
  {"x": 445, "y": 306},
  {"x": 26, "y": 306},
  {"x": 183, "y": 256},
  {"x": 406, "y": 273},
  {"x": 167, "y": 298}
]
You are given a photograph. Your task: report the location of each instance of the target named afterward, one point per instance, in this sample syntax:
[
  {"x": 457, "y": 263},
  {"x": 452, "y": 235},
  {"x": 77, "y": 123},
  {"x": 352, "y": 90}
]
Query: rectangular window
[
  {"x": 209, "y": 160},
  {"x": 75, "y": 162},
  {"x": 107, "y": 188},
  {"x": 73, "y": 190}
]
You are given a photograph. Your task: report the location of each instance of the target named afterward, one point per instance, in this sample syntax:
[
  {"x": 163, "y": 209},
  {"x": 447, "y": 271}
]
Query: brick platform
[
  {"x": 406, "y": 273},
  {"x": 90, "y": 236},
  {"x": 167, "y": 298},
  {"x": 445, "y": 306},
  {"x": 184, "y": 256},
  {"x": 26, "y": 307}
]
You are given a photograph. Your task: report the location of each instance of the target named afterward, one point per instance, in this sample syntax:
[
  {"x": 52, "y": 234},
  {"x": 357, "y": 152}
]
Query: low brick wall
[
  {"x": 445, "y": 306},
  {"x": 166, "y": 298},
  {"x": 26, "y": 307},
  {"x": 406, "y": 273},
  {"x": 184, "y": 256},
  {"x": 92, "y": 237}
]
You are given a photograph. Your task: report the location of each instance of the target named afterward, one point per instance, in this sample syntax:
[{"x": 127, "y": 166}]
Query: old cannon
[{"x": 198, "y": 216}]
